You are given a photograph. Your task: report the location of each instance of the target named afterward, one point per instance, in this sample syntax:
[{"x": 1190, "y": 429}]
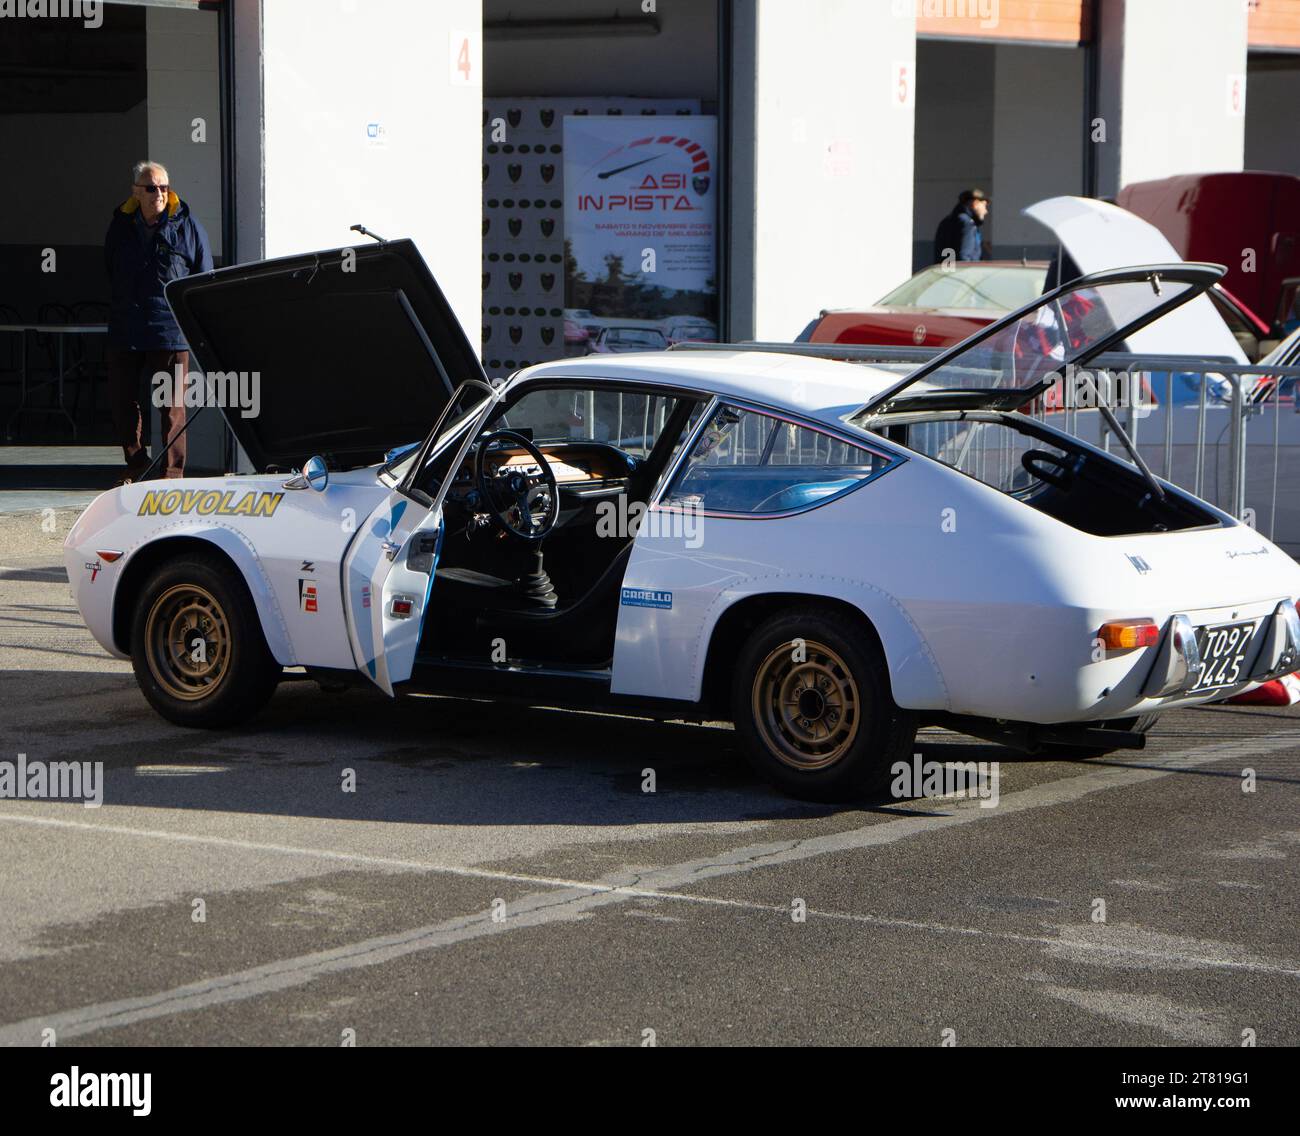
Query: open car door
[{"x": 388, "y": 569}]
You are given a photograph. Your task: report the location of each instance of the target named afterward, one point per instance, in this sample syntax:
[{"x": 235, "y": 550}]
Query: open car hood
[
  {"x": 1099, "y": 236},
  {"x": 350, "y": 363},
  {"x": 1013, "y": 361}
]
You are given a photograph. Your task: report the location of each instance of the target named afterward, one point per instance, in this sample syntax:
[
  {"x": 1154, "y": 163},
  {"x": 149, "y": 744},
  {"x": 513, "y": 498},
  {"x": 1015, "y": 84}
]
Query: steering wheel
[
  {"x": 525, "y": 505},
  {"x": 1060, "y": 475}
]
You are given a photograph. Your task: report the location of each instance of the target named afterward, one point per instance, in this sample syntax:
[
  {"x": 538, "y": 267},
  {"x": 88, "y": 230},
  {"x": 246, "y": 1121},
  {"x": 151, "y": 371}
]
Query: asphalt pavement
[{"x": 436, "y": 871}]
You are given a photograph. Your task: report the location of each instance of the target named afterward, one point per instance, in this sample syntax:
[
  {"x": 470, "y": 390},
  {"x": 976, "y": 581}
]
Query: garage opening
[
  {"x": 81, "y": 100},
  {"x": 601, "y": 178},
  {"x": 975, "y": 127}
]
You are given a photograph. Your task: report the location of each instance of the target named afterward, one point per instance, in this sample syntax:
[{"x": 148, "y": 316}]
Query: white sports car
[{"x": 824, "y": 553}]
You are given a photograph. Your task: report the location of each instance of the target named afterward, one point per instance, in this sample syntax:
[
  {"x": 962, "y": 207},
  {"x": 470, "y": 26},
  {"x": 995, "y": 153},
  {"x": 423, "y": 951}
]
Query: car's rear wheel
[
  {"x": 813, "y": 709},
  {"x": 196, "y": 644}
]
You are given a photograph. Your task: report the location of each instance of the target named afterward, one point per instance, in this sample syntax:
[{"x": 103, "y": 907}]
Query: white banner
[{"x": 640, "y": 215}]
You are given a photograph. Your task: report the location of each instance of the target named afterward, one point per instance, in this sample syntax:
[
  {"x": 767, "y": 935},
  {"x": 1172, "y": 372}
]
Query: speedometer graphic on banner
[{"x": 640, "y": 212}]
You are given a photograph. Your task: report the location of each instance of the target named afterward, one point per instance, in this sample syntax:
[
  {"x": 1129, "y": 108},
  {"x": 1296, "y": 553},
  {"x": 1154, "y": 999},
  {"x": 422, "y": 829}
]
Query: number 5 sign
[
  {"x": 904, "y": 78},
  {"x": 465, "y": 58}
]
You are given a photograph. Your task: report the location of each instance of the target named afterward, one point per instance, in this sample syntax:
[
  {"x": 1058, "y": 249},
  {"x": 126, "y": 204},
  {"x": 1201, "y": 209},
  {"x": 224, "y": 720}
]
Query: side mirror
[{"x": 315, "y": 475}]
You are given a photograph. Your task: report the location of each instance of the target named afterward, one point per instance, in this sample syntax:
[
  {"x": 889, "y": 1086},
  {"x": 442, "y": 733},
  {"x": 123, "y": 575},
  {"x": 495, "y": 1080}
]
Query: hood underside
[{"x": 354, "y": 351}]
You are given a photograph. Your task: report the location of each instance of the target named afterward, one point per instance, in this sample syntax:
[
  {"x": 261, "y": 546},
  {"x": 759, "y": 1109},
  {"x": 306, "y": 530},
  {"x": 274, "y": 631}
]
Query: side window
[
  {"x": 751, "y": 463},
  {"x": 988, "y": 451}
]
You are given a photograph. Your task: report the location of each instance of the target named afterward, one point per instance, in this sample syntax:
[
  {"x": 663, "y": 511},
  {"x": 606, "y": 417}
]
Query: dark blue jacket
[
  {"x": 140, "y": 263},
  {"x": 960, "y": 231}
]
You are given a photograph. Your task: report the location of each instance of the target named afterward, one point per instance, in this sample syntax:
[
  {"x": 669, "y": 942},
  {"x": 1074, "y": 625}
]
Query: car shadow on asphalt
[{"x": 434, "y": 760}]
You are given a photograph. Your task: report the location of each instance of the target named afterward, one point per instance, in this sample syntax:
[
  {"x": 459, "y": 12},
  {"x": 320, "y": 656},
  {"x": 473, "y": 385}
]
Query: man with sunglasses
[{"x": 152, "y": 238}]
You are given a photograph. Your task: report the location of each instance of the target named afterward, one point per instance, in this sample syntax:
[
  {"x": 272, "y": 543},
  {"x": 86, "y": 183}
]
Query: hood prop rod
[{"x": 1113, "y": 423}]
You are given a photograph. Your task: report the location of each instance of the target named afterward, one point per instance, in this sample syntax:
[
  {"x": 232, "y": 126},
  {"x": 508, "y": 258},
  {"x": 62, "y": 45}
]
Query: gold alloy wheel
[
  {"x": 187, "y": 642},
  {"x": 806, "y": 705}
]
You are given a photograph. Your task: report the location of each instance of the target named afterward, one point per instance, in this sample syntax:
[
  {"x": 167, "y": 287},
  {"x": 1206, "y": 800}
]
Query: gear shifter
[{"x": 535, "y": 585}]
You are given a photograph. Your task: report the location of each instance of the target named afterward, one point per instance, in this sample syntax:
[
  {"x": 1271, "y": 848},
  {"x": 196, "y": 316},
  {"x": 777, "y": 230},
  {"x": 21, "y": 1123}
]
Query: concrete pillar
[
  {"x": 822, "y": 102},
  {"x": 370, "y": 112},
  {"x": 183, "y": 60},
  {"x": 1171, "y": 89}
]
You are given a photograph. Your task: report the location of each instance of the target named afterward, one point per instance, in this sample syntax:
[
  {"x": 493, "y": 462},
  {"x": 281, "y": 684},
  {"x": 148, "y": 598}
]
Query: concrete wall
[
  {"x": 832, "y": 160},
  {"x": 185, "y": 84},
  {"x": 1166, "y": 70},
  {"x": 311, "y": 77},
  {"x": 1272, "y": 96}
]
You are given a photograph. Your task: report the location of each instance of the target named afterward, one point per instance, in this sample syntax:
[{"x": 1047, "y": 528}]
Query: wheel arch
[
  {"x": 225, "y": 545},
  {"x": 915, "y": 679}
]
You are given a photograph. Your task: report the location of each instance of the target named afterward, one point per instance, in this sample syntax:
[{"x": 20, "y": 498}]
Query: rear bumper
[{"x": 1272, "y": 651}]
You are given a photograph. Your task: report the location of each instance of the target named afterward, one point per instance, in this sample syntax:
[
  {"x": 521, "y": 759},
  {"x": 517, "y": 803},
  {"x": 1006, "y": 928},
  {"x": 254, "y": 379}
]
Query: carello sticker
[
  {"x": 208, "y": 503},
  {"x": 646, "y": 597},
  {"x": 307, "y": 595}
]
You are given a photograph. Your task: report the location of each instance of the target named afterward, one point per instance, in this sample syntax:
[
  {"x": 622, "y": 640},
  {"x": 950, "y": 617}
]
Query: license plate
[{"x": 1223, "y": 655}]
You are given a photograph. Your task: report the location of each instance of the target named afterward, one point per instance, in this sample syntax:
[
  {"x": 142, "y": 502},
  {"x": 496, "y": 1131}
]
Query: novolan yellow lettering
[{"x": 207, "y": 503}]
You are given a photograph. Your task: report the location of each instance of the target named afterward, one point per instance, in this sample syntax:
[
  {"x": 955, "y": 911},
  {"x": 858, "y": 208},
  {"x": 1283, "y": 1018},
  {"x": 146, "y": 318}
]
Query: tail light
[{"x": 1125, "y": 634}]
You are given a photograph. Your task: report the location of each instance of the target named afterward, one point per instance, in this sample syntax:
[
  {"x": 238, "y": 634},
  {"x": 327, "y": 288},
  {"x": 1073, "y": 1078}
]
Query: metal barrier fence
[{"x": 1207, "y": 424}]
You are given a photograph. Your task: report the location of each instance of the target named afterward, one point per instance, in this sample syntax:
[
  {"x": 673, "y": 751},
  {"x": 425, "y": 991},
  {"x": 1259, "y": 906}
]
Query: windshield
[
  {"x": 1025, "y": 352},
  {"x": 1002, "y": 287},
  {"x": 468, "y": 403}
]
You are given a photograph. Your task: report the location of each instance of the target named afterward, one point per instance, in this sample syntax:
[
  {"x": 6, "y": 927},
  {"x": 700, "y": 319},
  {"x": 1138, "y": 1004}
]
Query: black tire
[
  {"x": 841, "y": 688},
  {"x": 1140, "y": 725},
  {"x": 232, "y": 676}
]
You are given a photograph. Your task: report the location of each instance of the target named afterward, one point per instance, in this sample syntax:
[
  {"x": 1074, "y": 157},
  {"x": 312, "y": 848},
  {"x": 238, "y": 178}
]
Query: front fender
[
  {"x": 137, "y": 561},
  {"x": 243, "y": 555}
]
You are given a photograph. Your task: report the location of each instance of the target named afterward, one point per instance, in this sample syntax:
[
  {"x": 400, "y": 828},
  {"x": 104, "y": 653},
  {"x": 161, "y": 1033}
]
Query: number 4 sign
[
  {"x": 903, "y": 81},
  {"x": 465, "y": 58}
]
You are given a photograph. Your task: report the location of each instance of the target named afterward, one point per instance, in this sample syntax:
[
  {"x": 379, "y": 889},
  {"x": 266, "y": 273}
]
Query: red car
[
  {"x": 1215, "y": 217},
  {"x": 940, "y": 306},
  {"x": 937, "y": 307}
]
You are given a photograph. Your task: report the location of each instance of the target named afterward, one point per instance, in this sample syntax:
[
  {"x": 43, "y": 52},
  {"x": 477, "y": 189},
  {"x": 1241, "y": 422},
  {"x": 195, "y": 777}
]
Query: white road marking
[{"x": 571, "y": 900}]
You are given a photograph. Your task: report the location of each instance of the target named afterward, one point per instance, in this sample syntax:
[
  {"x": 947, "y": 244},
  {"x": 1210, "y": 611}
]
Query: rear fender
[{"x": 914, "y": 675}]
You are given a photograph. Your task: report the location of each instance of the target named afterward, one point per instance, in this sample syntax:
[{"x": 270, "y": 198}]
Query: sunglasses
[{"x": 153, "y": 188}]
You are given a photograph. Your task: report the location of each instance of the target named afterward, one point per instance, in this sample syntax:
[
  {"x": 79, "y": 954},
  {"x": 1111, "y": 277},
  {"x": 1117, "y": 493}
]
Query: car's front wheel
[
  {"x": 812, "y": 707},
  {"x": 196, "y": 644}
]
